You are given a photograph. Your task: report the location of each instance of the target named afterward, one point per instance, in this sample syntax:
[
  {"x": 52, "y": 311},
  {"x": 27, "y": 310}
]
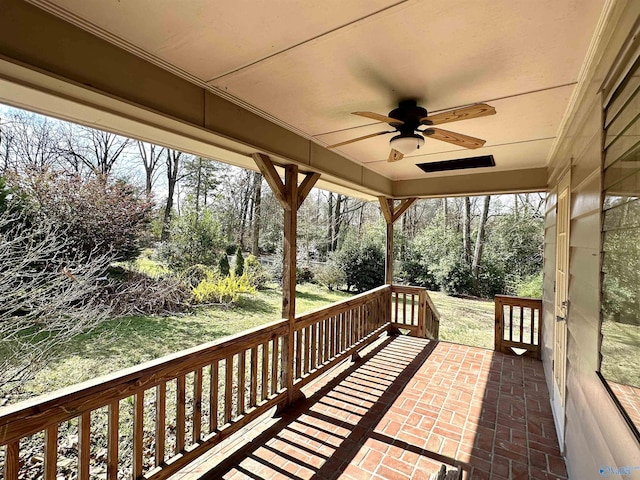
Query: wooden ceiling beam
[
  {"x": 305, "y": 187},
  {"x": 274, "y": 181},
  {"x": 392, "y": 213}
]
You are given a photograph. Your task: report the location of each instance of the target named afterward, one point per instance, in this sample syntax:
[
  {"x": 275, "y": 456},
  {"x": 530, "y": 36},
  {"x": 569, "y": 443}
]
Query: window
[{"x": 620, "y": 350}]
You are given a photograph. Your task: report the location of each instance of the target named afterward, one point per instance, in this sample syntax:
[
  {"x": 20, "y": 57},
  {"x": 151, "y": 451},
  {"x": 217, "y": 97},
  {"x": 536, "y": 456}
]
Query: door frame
[{"x": 561, "y": 305}]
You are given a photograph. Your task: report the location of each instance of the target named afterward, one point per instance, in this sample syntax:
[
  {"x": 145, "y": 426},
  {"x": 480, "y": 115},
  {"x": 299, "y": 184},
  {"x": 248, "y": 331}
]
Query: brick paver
[{"x": 408, "y": 407}]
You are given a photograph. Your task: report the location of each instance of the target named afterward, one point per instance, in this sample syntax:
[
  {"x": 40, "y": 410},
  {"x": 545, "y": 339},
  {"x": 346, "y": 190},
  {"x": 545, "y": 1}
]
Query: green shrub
[
  {"x": 225, "y": 290},
  {"x": 238, "y": 268},
  {"x": 362, "y": 261},
  {"x": 330, "y": 275},
  {"x": 531, "y": 286},
  {"x": 223, "y": 265},
  {"x": 230, "y": 248},
  {"x": 195, "y": 238},
  {"x": 453, "y": 276},
  {"x": 304, "y": 274},
  {"x": 255, "y": 272}
]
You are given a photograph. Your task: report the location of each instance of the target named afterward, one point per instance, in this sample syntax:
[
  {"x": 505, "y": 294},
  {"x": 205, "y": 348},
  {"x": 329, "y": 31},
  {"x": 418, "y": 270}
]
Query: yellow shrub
[{"x": 222, "y": 290}]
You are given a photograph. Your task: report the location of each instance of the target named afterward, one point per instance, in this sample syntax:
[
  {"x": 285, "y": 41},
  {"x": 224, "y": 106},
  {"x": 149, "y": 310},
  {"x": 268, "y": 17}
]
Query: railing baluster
[
  {"x": 396, "y": 298},
  {"x": 228, "y": 389},
  {"x": 533, "y": 323},
  {"x": 510, "y": 323},
  {"x": 413, "y": 310},
  {"x": 51, "y": 452},
  {"x": 298, "y": 359},
  {"x": 349, "y": 330},
  {"x": 339, "y": 334},
  {"x": 521, "y": 324},
  {"x": 314, "y": 346},
  {"x": 306, "y": 354},
  {"x": 213, "y": 397},
  {"x": 84, "y": 445},
  {"x": 321, "y": 341},
  {"x": 334, "y": 331},
  {"x": 265, "y": 371},
  {"x": 12, "y": 461},
  {"x": 197, "y": 405},
  {"x": 404, "y": 308},
  {"x": 274, "y": 366},
  {"x": 113, "y": 429},
  {"x": 138, "y": 434},
  {"x": 253, "y": 378},
  {"x": 161, "y": 419},
  {"x": 242, "y": 369},
  {"x": 181, "y": 400},
  {"x": 327, "y": 338}
]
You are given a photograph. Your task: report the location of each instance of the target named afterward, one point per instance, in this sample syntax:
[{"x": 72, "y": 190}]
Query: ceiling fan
[{"x": 409, "y": 116}]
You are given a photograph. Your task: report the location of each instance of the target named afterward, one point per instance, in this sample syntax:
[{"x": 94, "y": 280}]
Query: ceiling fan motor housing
[{"x": 410, "y": 113}]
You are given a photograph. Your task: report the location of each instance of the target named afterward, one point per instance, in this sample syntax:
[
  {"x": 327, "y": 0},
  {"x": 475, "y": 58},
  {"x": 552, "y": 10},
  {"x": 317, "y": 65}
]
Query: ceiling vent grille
[{"x": 458, "y": 164}]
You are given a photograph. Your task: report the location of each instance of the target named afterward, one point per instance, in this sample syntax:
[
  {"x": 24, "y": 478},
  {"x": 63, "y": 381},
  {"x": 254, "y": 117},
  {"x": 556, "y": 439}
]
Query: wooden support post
[
  {"x": 388, "y": 260},
  {"x": 290, "y": 196},
  {"x": 289, "y": 275},
  {"x": 392, "y": 213}
]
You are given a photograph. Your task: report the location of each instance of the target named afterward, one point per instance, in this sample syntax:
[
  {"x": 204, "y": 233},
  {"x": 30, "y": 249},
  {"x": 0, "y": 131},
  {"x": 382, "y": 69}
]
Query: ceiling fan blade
[
  {"x": 464, "y": 113},
  {"x": 395, "y": 155},
  {"x": 346, "y": 142},
  {"x": 453, "y": 137},
  {"x": 380, "y": 118}
]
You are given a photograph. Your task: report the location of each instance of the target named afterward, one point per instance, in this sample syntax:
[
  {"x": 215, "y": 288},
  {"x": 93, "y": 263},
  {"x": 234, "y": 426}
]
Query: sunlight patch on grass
[{"x": 465, "y": 321}]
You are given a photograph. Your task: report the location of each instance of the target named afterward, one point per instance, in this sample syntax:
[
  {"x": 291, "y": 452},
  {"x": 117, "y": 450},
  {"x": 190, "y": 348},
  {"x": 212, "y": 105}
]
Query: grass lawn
[
  {"x": 133, "y": 340},
  {"x": 466, "y": 321},
  {"x": 129, "y": 341}
]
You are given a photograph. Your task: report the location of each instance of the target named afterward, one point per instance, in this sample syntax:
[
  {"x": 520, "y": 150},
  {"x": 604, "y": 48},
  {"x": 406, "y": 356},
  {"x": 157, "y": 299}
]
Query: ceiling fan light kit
[
  {"x": 409, "y": 116},
  {"x": 407, "y": 143}
]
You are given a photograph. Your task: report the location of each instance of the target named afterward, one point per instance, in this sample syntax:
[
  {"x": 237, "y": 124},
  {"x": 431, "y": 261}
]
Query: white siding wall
[{"x": 595, "y": 434}]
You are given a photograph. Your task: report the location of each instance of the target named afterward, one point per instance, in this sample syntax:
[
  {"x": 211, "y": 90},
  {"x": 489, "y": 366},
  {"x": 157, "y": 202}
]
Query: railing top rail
[
  {"x": 513, "y": 300},
  {"x": 407, "y": 289},
  {"x": 432, "y": 307},
  {"x": 339, "y": 306},
  {"x": 95, "y": 393}
]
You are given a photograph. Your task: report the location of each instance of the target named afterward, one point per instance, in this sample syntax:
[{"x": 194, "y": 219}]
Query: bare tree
[
  {"x": 30, "y": 142},
  {"x": 173, "y": 161},
  {"x": 257, "y": 201},
  {"x": 150, "y": 155},
  {"x": 477, "y": 253},
  {"x": 466, "y": 230},
  {"x": 95, "y": 149},
  {"x": 46, "y": 296}
]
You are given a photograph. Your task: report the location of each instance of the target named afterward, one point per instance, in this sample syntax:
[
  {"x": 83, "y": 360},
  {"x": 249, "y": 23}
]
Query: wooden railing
[
  {"x": 150, "y": 420},
  {"x": 518, "y": 327},
  {"x": 326, "y": 336},
  {"x": 413, "y": 310},
  {"x": 162, "y": 414}
]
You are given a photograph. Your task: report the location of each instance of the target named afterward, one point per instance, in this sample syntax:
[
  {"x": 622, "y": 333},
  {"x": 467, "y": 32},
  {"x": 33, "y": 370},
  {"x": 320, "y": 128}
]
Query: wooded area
[{"x": 126, "y": 203}]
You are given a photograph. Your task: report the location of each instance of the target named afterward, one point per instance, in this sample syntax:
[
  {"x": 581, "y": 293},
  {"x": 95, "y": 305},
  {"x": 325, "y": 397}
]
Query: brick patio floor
[{"x": 406, "y": 408}]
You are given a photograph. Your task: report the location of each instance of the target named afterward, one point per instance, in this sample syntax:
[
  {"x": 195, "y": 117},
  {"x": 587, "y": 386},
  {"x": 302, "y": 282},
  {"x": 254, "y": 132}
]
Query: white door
[{"x": 561, "y": 304}]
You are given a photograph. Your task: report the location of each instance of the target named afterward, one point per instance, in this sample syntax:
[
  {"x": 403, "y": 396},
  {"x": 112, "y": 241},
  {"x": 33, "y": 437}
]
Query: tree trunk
[
  {"x": 246, "y": 199},
  {"x": 330, "y": 224},
  {"x": 477, "y": 253},
  {"x": 445, "y": 213},
  {"x": 257, "y": 200},
  {"x": 198, "y": 184},
  {"x": 337, "y": 219},
  {"x": 466, "y": 230},
  {"x": 173, "y": 166}
]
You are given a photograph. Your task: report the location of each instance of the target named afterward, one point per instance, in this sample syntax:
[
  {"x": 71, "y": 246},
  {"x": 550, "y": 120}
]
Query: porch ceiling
[{"x": 307, "y": 65}]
